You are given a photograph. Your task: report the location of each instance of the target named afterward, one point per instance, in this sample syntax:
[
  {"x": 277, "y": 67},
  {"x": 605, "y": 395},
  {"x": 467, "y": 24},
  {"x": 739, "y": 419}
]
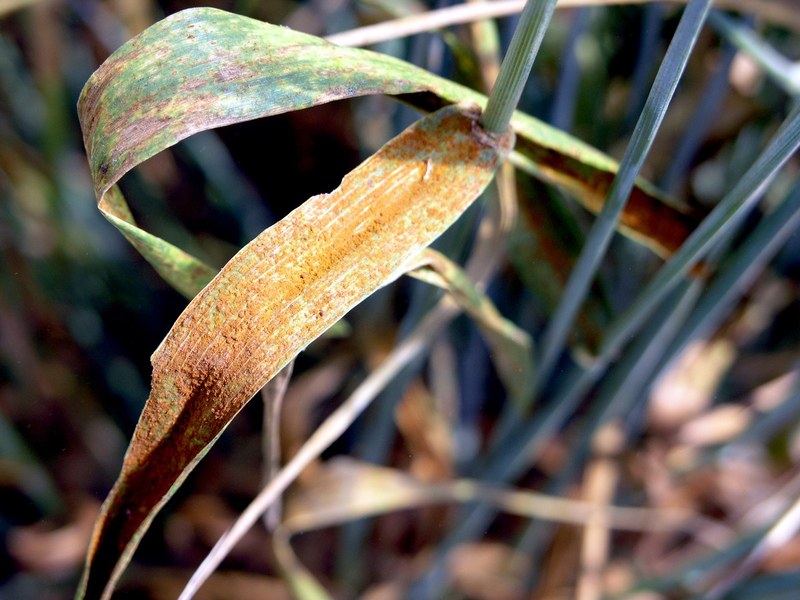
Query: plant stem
[{"x": 517, "y": 64}]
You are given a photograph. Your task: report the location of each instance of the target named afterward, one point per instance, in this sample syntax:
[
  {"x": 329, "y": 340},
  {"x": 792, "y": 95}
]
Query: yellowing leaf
[
  {"x": 511, "y": 349},
  {"x": 274, "y": 297}
]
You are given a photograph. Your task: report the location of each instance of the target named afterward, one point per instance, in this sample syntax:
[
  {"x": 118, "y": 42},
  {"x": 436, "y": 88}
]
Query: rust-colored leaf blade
[
  {"x": 204, "y": 68},
  {"x": 274, "y": 297}
]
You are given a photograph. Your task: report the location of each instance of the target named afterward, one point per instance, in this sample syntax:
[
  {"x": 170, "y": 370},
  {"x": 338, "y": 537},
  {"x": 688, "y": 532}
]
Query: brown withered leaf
[{"x": 278, "y": 294}]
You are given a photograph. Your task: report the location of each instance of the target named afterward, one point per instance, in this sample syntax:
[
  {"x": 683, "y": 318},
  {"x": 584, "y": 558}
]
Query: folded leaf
[
  {"x": 346, "y": 489},
  {"x": 204, "y": 68},
  {"x": 274, "y": 297}
]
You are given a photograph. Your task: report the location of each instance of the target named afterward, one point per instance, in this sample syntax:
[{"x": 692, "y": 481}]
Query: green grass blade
[
  {"x": 732, "y": 208},
  {"x": 695, "y": 130},
  {"x": 779, "y": 68},
  {"x": 646, "y": 56},
  {"x": 600, "y": 236},
  {"x": 738, "y": 272},
  {"x": 205, "y": 68},
  {"x": 634, "y": 371},
  {"x": 517, "y": 64},
  {"x": 566, "y": 95}
]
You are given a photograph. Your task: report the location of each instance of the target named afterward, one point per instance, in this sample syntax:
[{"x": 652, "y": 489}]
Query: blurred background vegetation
[{"x": 80, "y": 312}]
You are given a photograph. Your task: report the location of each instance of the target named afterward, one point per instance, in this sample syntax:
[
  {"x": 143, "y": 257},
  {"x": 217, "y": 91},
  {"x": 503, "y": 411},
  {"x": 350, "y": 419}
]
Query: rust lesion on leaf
[
  {"x": 275, "y": 297},
  {"x": 652, "y": 221}
]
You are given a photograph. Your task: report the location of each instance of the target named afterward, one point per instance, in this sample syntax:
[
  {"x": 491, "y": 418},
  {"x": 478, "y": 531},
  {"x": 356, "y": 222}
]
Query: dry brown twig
[{"x": 786, "y": 14}]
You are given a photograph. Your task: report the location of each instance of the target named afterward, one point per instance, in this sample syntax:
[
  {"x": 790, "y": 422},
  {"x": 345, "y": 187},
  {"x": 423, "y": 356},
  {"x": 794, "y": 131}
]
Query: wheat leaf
[
  {"x": 278, "y": 294},
  {"x": 204, "y": 68}
]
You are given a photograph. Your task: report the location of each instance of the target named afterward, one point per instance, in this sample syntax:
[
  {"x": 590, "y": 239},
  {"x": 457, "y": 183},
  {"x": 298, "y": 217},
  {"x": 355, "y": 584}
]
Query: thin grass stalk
[
  {"x": 635, "y": 372},
  {"x": 485, "y": 42},
  {"x": 272, "y": 396},
  {"x": 618, "y": 394},
  {"x": 646, "y": 57},
  {"x": 714, "y": 93},
  {"x": 516, "y": 66},
  {"x": 569, "y": 77},
  {"x": 599, "y": 237},
  {"x": 766, "y": 10},
  {"x": 538, "y": 534}
]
